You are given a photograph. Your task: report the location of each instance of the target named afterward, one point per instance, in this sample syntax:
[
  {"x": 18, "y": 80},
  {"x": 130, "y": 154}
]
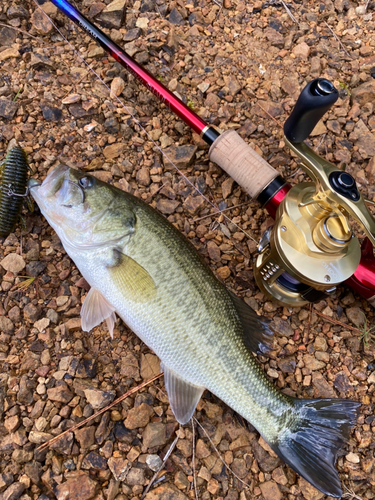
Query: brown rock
[
  {"x": 78, "y": 487},
  {"x": 308, "y": 490},
  {"x": 166, "y": 492},
  {"x": 150, "y": 366},
  {"x": 202, "y": 450},
  {"x": 166, "y": 206},
  {"x": 239, "y": 467},
  {"x": 274, "y": 37},
  {"x": 50, "y": 9},
  {"x": 301, "y": 50},
  {"x": 41, "y": 23},
  {"x": 312, "y": 363},
  {"x": 364, "y": 93},
  {"x": 194, "y": 203},
  {"x": 213, "y": 251},
  {"x": 25, "y": 393},
  {"x": 13, "y": 263},
  {"x": 287, "y": 365},
  {"x": 223, "y": 272},
  {"x": 117, "y": 85},
  {"x": 282, "y": 327},
  {"x": 291, "y": 86},
  {"x": 94, "y": 461},
  {"x": 322, "y": 387},
  {"x": 64, "y": 445},
  {"x": 270, "y": 491},
  {"x": 129, "y": 367},
  {"x": 279, "y": 476},
  {"x": 356, "y": 316},
  {"x": 12, "y": 423},
  {"x": 14, "y": 491},
  {"x": 154, "y": 435},
  {"x": 181, "y": 481},
  {"x": 119, "y": 468},
  {"x": 342, "y": 383},
  {"x": 113, "y": 15},
  {"x": 231, "y": 85},
  {"x": 6, "y": 326},
  {"x": 135, "y": 476},
  {"x": 181, "y": 156},
  {"x": 139, "y": 416},
  {"x": 99, "y": 399},
  {"x": 143, "y": 176},
  {"x": 5, "y": 481},
  {"x": 60, "y": 393},
  {"x": 114, "y": 150},
  {"x": 85, "y": 436},
  {"x": 31, "y": 313},
  {"x": 227, "y": 187},
  {"x": 8, "y": 53}
]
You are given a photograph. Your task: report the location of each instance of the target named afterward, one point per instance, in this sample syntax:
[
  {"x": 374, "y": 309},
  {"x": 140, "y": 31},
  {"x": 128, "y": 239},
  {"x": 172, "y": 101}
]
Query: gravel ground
[{"x": 240, "y": 65}]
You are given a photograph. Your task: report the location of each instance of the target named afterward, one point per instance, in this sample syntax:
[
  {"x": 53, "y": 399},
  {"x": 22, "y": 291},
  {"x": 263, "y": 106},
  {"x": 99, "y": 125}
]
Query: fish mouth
[{"x": 59, "y": 186}]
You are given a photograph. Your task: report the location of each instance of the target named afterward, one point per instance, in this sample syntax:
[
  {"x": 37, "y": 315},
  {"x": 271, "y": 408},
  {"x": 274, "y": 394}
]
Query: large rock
[
  {"x": 14, "y": 491},
  {"x": 99, "y": 399},
  {"x": 113, "y": 15},
  {"x": 138, "y": 417},
  {"x": 154, "y": 435},
  {"x": 166, "y": 492},
  {"x": 60, "y": 393},
  {"x": 364, "y": 93},
  {"x": 78, "y": 487},
  {"x": 270, "y": 491},
  {"x": 181, "y": 156}
]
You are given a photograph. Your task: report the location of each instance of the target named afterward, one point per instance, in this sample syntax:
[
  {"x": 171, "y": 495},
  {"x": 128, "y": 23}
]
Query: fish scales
[
  {"x": 191, "y": 321},
  {"x": 140, "y": 267}
]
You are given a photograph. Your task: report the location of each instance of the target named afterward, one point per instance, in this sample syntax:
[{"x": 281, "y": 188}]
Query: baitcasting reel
[{"x": 311, "y": 248}]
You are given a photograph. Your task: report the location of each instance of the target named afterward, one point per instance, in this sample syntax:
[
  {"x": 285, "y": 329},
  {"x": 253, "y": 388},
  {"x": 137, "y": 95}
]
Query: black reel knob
[
  {"x": 344, "y": 184},
  {"x": 315, "y": 99}
]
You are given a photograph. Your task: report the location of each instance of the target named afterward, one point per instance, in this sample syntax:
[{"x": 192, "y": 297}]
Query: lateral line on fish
[{"x": 218, "y": 211}]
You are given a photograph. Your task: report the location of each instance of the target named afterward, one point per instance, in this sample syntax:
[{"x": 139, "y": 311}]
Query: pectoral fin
[
  {"x": 96, "y": 309},
  {"x": 132, "y": 279},
  {"x": 257, "y": 334},
  {"x": 183, "y": 396}
]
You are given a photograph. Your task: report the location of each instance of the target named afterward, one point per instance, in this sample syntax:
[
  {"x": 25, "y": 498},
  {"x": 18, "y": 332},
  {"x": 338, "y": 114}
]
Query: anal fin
[
  {"x": 96, "y": 309},
  {"x": 258, "y": 336},
  {"x": 183, "y": 396}
]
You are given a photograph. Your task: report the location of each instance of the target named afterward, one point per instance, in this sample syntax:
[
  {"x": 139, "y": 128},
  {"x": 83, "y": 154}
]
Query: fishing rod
[{"x": 311, "y": 249}]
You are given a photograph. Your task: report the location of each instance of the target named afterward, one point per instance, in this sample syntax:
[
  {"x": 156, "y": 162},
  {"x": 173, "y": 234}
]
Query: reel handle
[{"x": 315, "y": 99}]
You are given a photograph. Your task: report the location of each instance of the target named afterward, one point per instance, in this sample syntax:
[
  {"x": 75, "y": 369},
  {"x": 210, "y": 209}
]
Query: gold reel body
[{"x": 309, "y": 250}]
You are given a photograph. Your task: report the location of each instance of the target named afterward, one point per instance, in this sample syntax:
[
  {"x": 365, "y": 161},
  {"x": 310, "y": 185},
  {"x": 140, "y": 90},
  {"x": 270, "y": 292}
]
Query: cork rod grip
[{"x": 242, "y": 163}]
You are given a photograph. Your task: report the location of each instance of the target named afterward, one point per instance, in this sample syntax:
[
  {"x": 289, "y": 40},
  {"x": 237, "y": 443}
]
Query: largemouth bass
[{"x": 141, "y": 268}]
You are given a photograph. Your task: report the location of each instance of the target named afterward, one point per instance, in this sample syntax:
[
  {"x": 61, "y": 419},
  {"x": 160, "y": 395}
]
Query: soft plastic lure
[{"x": 13, "y": 190}]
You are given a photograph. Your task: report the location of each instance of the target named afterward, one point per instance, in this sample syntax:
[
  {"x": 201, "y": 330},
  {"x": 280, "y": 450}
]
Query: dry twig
[
  {"x": 171, "y": 448},
  {"x": 289, "y": 12},
  {"x": 220, "y": 457},
  {"x": 103, "y": 410},
  {"x": 193, "y": 460},
  {"x": 338, "y": 40},
  {"x": 337, "y": 322}
]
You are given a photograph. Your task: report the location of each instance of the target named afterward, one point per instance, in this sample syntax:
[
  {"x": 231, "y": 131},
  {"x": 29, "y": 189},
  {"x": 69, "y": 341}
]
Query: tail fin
[{"x": 321, "y": 427}]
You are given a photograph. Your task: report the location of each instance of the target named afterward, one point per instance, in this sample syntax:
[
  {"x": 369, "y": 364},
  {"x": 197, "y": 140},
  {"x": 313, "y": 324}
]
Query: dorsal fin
[{"x": 258, "y": 336}]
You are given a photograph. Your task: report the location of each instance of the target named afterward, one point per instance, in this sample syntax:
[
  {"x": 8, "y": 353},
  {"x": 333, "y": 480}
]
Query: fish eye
[{"x": 85, "y": 182}]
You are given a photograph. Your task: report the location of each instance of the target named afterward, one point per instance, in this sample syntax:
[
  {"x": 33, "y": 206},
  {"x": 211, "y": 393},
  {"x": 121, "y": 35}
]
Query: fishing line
[{"x": 217, "y": 211}]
